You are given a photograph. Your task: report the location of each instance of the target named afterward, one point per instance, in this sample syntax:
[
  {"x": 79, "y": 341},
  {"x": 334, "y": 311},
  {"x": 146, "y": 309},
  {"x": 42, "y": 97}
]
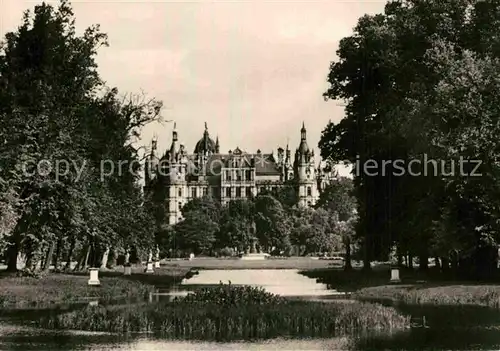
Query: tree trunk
[
  {"x": 12, "y": 253},
  {"x": 29, "y": 261},
  {"x": 438, "y": 265},
  {"x": 424, "y": 262},
  {"x": 48, "y": 258},
  {"x": 347, "y": 263},
  {"x": 87, "y": 255},
  {"x": 112, "y": 259},
  {"x": 104, "y": 261},
  {"x": 454, "y": 263},
  {"x": 410, "y": 261},
  {"x": 70, "y": 254},
  {"x": 400, "y": 260},
  {"x": 38, "y": 264},
  {"x": 80, "y": 261},
  {"x": 445, "y": 264},
  {"x": 366, "y": 258},
  {"x": 58, "y": 253}
]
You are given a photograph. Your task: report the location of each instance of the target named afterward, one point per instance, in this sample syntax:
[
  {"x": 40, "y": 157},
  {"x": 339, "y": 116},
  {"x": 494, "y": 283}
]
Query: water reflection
[
  {"x": 448, "y": 328},
  {"x": 12, "y": 338},
  {"x": 284, "y": 282}
]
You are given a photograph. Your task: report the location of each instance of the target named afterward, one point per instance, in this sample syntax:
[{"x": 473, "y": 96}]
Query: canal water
[{"x": 433, "y": 328}]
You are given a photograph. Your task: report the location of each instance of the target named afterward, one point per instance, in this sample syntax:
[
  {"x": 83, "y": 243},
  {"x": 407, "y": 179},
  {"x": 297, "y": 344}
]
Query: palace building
[{"x": 233, "y": 175}]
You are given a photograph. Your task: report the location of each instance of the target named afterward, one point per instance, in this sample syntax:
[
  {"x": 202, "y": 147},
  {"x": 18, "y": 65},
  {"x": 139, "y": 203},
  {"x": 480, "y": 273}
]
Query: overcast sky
[{"x": 253, "y": 70}]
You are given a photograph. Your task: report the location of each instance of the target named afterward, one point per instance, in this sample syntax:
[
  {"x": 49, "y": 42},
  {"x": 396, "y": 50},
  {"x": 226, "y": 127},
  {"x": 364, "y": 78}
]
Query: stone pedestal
[
  {"x": 94, "y": 277},
  {"x": 157, "y": 264},
  {"x": 127, "y": 270},
  {"x": 395, "y": 275},
  {"x": 191, "y": 256},
  {"x": 149, "y": 267}
]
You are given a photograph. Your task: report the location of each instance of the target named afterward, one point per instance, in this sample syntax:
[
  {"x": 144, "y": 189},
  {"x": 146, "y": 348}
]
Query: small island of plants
[{"x": 232, "y": 312}]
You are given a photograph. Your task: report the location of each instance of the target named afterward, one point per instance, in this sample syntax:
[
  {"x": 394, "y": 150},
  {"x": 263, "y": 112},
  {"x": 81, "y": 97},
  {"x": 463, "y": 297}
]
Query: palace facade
[{"x": 233, "y": 175}]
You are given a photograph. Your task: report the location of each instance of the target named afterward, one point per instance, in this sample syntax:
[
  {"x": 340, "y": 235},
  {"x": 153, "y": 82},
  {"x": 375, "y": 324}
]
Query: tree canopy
[
  {"x": 59, "y": 124},
  {"x": 420, "y": 82}
]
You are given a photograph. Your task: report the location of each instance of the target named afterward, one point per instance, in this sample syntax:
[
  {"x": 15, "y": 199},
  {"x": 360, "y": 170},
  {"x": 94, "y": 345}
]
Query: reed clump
[{"x": 229, "y": 313}]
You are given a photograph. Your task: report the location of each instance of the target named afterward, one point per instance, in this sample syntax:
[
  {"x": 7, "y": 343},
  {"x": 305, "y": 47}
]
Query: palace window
[
  {"x": 205, "y": 191},
  {"x": 249, "y": 175},
  {"x": 249, "y": 192},
  {"x": 238, "y": 192},
  {"x": 238, "y": 176},
  {"x": 309, "y": 191},
  {"x": 228, "y": 175},
  {"x": 180, "y": 206},
  {"x": 193, "y": 193},
  {"x": 179, "y": 191},
  {"x": 228, "y": 192}
]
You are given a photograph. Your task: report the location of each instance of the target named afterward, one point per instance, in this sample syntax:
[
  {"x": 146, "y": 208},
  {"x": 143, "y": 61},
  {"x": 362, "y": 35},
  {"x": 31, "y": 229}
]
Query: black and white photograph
[{"x": 250, "y": 175}]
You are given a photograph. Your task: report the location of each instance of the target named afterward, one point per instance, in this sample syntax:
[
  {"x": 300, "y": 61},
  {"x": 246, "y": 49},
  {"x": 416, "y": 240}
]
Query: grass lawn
[
  {"x": 416, "y": 287},
  {"x": 56, "y": 289},
  {"x": 453, "y": 294}
]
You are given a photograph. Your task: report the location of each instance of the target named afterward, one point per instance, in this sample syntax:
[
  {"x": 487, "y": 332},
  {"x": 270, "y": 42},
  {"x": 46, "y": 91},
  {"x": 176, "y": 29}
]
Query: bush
[
  {"x": 230, "y": 295},
  {"x": 227, "y": 252},
  {"x": 28, "y": 273}
]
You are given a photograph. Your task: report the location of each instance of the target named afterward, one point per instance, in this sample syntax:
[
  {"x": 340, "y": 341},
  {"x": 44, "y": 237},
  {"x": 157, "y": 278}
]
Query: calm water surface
[{"x": 446, "y": 328}]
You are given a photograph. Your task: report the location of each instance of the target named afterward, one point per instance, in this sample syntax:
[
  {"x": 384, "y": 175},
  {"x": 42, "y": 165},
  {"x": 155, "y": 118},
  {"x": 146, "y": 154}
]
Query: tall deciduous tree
[
  {"x": 237, "y": 225},
  {"x": 199, "y": 227},
  {"x": 418, "y": 81},
  {"x": 339, "y": 201},
  {"x": 56, "y": 113},
  {"x": 272, "y": 223}
]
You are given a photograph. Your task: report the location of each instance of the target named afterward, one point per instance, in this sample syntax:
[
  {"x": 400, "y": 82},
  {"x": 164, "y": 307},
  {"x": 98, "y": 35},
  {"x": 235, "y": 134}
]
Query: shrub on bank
[{"x": 234, "y": 313}]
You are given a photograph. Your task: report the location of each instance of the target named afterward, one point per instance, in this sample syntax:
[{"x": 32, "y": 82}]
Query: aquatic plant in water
[
  {"x": 230, "y": 312},
  {"x": 230, "y": 295}
]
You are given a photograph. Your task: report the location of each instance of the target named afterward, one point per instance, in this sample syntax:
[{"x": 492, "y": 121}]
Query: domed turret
[{"x": 205, "y": 145}]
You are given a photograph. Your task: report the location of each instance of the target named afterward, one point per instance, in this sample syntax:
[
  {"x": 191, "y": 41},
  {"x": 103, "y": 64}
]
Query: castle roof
[{"x": 264, "y": 163}]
